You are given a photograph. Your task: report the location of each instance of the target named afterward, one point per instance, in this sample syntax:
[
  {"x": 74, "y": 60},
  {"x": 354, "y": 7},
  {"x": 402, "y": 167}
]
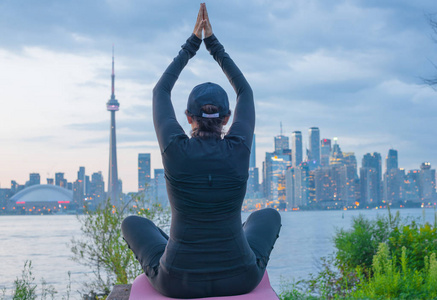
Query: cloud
[{"x": 352, "y": 68}]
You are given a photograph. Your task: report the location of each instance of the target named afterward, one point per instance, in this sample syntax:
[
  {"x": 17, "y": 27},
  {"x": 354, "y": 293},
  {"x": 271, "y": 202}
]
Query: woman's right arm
[{"x": 164, "y": 118}]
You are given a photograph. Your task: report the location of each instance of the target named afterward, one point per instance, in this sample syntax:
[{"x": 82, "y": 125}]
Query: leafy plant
[
  {"x": 25, "y": 287},
  {"x": 357, "y": 246},
  {"x": 102, "y": 248},
  {"x": 393, "y": 281},
  {"x": 383, "y": 258},
  {"x": 418, "y": 240}
]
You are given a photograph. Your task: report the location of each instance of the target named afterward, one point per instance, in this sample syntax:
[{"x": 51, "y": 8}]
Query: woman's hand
[
  {"x": 207, "y": 26},
  {"x": 200, "y": 22}
]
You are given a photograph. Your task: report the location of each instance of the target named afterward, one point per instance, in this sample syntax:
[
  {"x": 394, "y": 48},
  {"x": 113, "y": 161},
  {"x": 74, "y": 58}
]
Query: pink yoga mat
[{"x": 142, "y": 290}]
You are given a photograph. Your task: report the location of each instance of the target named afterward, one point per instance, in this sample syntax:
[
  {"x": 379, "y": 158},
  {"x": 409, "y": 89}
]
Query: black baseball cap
[{"x": 208, "y": 93}]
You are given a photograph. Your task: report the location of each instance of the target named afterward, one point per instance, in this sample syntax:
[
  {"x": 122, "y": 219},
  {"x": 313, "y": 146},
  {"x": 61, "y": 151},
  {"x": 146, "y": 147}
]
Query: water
[{"x": 304, "y": 237}]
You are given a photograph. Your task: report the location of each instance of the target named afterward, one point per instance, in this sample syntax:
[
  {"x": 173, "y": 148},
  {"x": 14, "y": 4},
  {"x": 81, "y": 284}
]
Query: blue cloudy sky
[{"x": 352, "y": 68}]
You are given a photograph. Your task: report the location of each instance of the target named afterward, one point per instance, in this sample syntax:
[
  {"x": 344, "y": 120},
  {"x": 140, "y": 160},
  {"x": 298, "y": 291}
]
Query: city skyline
[
  {"x": 279, "y": 142},
  {"x": 353, "y": 69}
]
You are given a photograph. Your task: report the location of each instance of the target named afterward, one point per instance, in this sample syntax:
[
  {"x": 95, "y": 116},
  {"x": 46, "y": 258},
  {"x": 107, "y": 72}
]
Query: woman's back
[{"x": 206, "y": 183}]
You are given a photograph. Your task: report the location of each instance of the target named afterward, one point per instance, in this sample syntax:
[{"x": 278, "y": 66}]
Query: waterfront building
[
  {"x": 274, "y": 168},
  {"x": 97, "y": 188},
  {"x": 112, "y": 106},
  {"x": 278, "y": 166},
  {"x": 50, "y": 181},
  {"x": 40, "y": 199},
  {"x": 412, "y": 186},
  {"x": 253, "y": 186},
  {"x": 79, "y": 189},
  {"x": 289, "y": 189},
  {"x": 325, "y": 184},
  {"x": 391, "y": 161},
  {"x": 368, "y": 187},
  {"x": 314, "y": 148},
  {"x": 143, "y": 171},
  {"x": 335, "y": 184},
  {"x": 253, "y": 190},
  {"x": 336, "y": 156},
  {"x": 296, "y": 148},
  {"x": 252, "y": 159},
  {"x": 373, "y": 161},
  {"x": 160, "y": 188},
  {"x": 394, "y": 185},
  {"x": 325, "y": 152},
  {"x": 427, "y": 183},
  {"x": 394, "y": 178},
  {"x": 15, "y": 187},
  {"x": 34, "y": 179},
  {"x": 5, "y": 194},
  {"x": 87, "y": 186},
  {"x": 301, "y": 185},
  {"x": 281, "y": 144},
  {"x": 60, "y": 180},
  {"x": 350, "y": 176}
]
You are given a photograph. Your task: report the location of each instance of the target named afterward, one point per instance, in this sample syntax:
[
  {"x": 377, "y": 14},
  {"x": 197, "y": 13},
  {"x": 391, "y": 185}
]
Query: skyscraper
[
  {"x": 97, "y": 188},
  {"x": 60, "y": 180},
  {"x": 336, "y": 157},
  {"x": 374, "y": 187},
  {"x": 325, "y": 152},
  {"x": 393, "y": 178},
  {"x": 143, "y": 171},
  {"x": 160, "y": 188},
  {"x": 281, "y": 144},
  {"x": 253, "y": 180},
  {"x": 391, "y": 161},
  {"x": 34, "y": 179},
  {"x": 427, "y": 182},
  {"x": 112, "y": 105},
  {"x": 314, "y": 148},
  {"x": 296, "y": 148},
  {"x": 79, "y": 191},
  {"x": 252, "y": 161}
]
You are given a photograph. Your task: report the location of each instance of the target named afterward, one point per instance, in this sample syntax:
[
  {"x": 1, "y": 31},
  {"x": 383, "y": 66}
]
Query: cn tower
[{"x": 112, "y": 105}]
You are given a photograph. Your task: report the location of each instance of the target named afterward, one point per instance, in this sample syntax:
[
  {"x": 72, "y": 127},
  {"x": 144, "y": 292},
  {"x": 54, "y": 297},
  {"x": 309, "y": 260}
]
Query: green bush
[
  {"x": 383, "y": 258},
  {"x": 102, "y": 248},
  {"x": 393, "y": 281},
  {"x": 419, "y": 241},
  {"x": 357, "y": 246}
]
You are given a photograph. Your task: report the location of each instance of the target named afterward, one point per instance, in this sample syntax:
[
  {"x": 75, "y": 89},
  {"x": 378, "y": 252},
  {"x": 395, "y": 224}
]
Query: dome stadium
[{"x": 44, "y": 198}]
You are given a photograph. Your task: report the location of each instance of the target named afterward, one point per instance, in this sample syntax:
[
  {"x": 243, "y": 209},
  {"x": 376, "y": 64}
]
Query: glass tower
[{"x": 314, "y": 148}]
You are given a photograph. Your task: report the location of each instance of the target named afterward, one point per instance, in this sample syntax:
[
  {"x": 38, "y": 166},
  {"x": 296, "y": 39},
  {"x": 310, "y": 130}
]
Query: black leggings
[{"x": 148, "y": 243}]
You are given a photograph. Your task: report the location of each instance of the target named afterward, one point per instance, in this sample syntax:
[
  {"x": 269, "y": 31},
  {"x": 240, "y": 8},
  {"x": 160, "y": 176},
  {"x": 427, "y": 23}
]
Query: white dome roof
[{"x": 43, "y": 193}]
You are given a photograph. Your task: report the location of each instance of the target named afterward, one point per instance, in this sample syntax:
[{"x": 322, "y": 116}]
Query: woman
[{"x": 209, "y": 252}]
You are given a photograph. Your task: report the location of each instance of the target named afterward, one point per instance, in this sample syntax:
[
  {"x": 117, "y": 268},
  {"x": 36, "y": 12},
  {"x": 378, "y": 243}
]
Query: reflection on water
[{"x": 304, "y": 237}]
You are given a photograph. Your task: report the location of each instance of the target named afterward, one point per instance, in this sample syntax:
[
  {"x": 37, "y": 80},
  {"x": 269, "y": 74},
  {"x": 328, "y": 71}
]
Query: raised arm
[
  {"x": 164, "y": 118},
  {"x": 244, "y": 115}
]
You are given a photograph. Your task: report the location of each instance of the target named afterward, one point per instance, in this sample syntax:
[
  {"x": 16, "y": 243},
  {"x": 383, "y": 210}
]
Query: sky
[{"x": 355, "y": 69}]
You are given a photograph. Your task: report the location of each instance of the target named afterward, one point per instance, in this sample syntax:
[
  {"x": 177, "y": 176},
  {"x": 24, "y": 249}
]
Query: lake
[{"x": 305, "y": 237}]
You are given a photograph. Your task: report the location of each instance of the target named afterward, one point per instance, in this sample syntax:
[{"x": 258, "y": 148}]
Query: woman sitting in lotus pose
[{"x": 209, "y": 251}]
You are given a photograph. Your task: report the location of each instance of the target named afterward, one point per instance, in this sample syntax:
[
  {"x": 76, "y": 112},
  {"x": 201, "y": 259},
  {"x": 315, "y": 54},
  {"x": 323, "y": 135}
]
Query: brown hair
[{"x": 208, "y": 127}]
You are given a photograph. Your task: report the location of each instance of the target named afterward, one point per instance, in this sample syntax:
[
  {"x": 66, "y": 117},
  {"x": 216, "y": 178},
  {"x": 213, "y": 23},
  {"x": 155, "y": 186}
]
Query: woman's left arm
[{"x": 164, "y": 118}]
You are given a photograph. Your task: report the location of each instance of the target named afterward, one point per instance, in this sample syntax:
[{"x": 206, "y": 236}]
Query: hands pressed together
[{"x": 202, "y": 23}]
